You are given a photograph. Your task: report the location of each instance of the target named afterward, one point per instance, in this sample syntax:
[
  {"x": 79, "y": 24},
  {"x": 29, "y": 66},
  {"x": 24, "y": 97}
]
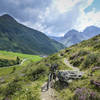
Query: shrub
[
  {"x": 29, "y": 96},
  {"x": 6, "y": 62},
  {"x": 97, "y": 46},
  {"x": 72, "y": 57},
  {"x": 67, "y": 50},
  {"x": 85, "y": 94},
  {"x": 13, "y": 70},
  {"x": 18, "y": 60},
  {"x": 12, "y": 88},
  {"x": 76, "y": 62},
  {"x": 79, "y": 54},
  {"x": 1, "y": 90},
  {"x": 54, "y": 57},
  {"x": 82, "y": 53},
  {"x": 35, "y": 74},
  {"x": 96, "y": 83},
  {"x": 91, "y": 59}
]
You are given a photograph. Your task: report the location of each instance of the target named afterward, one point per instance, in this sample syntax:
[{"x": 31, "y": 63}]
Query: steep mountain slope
[
  {"x": 17, "y": 37},
  {"x": 73, "y": 36}
]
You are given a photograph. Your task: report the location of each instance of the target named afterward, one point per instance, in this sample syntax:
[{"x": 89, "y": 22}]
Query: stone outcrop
[{"x": 66, "y": 75}]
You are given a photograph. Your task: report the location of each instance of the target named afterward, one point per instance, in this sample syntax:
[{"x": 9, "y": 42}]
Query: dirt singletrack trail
[
  {"x": 48, "y": 94},
  {"x": 71, "y": 66}
]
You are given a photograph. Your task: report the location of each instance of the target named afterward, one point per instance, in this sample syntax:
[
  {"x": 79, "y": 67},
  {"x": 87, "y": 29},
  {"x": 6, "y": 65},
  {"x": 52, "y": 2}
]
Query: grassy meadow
[{"x": 13, "y": 55}]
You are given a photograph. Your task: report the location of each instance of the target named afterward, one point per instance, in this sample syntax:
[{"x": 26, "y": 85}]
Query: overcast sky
[{"x": 53, "y": 17}]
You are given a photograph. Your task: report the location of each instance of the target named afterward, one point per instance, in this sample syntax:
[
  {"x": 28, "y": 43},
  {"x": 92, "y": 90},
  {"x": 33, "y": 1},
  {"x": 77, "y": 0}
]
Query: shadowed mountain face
[
  {"x": 73, "y": 36},
  {"x": 19, "y": 38}
]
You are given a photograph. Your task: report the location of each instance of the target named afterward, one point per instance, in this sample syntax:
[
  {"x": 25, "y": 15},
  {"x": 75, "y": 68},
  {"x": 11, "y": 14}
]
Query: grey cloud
[
  {"x": 24, "y": 10},
  {"x": 30, "y": 10},
  {"x": 63, "y": 22}
]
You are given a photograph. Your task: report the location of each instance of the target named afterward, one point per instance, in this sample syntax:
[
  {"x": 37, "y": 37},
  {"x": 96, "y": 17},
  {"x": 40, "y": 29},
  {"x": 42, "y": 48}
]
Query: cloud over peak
[{"x": 53, "y": 17}]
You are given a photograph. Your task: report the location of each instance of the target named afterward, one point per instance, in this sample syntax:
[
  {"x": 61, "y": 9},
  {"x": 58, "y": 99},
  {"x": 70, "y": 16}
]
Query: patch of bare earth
[{"x": 48, "y": 94}]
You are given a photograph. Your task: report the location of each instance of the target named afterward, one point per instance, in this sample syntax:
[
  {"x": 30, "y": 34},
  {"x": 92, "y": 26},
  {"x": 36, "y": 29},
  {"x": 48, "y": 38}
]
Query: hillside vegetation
[
  {"x": 25, "y": 81},
  {"x": 85, "y": 56},
  {"x": 17, "y": 77}
]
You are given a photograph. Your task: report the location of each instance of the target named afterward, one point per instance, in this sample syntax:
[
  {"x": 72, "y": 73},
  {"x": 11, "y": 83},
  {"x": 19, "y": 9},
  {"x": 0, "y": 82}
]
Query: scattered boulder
[
  {"x": 62, "y": 54},
  {"x": 66, "y": 75},
  {"x": 67, "y": 50}
]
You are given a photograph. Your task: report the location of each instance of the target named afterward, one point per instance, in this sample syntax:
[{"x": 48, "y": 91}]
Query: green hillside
[
  {"x": 13, "y": 78},
  {"x": 8, "y": 59},
  {"x": 13, "y": 55},
  {"x": 26, "y": 81},
  {"x": 19, "y": 38},
  {"x": 85, "y": 56}
]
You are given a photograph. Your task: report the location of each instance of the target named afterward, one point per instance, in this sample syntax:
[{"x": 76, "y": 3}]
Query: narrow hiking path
[
  {"x": 48, "y": 94},
  {"x": 24, "y": 61},
  {"x": 69, "y": 65}
]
